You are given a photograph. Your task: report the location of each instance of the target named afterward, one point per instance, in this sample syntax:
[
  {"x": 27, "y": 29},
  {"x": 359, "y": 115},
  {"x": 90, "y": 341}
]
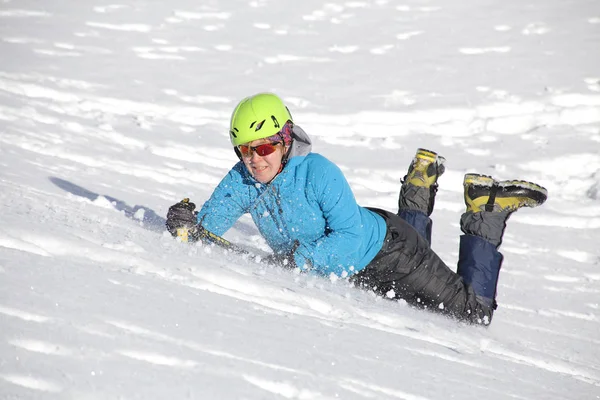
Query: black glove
[
  {"x": 284, "y": 260},
  {"x": 181, "y": 220}
]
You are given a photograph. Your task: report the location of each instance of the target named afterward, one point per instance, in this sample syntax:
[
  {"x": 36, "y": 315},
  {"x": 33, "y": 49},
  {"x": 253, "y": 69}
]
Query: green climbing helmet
[{"x": 257, "y": 117}]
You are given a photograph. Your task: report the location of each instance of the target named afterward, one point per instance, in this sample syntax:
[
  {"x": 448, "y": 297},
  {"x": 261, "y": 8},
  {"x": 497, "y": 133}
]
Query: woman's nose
[{"x": 254, "y": 156}]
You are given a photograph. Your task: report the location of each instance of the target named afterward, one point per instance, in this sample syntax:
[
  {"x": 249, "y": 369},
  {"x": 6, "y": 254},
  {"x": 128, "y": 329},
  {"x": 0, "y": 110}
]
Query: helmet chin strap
[
  {"x": 284, "y": 160},
  {"x": 238, "y": 154}
]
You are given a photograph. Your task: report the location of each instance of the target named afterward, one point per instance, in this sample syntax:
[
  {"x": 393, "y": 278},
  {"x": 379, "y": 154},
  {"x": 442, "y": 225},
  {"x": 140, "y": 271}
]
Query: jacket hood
[{"x": 301, "y": 145}]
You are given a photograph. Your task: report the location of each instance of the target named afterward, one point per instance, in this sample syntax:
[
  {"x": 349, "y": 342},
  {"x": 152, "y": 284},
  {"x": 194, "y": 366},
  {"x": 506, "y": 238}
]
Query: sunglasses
[{"x": 262, "y": 149}]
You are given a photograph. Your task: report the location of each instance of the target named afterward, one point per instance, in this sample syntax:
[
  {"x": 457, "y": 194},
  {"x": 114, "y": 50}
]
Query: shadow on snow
[{"x": 150, "y": 220}]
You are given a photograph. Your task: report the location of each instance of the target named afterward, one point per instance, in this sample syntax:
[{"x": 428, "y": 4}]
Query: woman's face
[{"x": 263, "y": 168}]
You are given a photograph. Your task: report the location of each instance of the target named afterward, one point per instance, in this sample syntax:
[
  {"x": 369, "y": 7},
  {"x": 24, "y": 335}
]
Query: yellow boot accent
[
  {"x": 477, "y": 199},
  {"x": 484, "y": 193},
  {"x": 424, "y": 170}
]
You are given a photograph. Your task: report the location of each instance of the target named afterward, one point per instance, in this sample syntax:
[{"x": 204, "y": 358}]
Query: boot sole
[
  {"x": 486, "y": 180},
  {"x": 525, "y": 189},
  {"x": 531, "y": 194}
]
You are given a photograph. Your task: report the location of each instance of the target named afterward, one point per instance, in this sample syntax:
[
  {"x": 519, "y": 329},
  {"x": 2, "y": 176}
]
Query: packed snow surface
[{"x": 112, "y": 112}]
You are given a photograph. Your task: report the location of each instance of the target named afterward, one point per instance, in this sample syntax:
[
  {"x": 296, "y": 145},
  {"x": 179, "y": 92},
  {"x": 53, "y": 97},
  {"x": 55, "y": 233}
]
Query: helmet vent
[
  {"x": 260, "y": 124},
  {"x": 275, "y": 122}
]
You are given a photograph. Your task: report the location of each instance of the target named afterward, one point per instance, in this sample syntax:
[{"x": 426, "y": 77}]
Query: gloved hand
[
  {"x": 181, "y": 221},
  {"x": 284, "y": 260}
]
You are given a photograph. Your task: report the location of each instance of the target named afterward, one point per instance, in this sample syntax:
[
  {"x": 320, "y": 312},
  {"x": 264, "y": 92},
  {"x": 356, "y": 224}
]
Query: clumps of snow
[
  {"x": 42, "y": 347},
  {"x": 484, "y": 344},
  {"x": 483, "y": 50},
  {"x": 23, "y": 315},
  {"x": 535, "y": 28},
  {"x": 42, "y": 385},
  {"x": 576, "y": 255},
  {"x": 282, "y": 388},
  {"x": 139, "y": 214},
  {"x": 158, "y": 359},
  {"x": 594, "y": 191},
  {"x": 593, "y": 83},
  {"x": 103, "y": 202}
]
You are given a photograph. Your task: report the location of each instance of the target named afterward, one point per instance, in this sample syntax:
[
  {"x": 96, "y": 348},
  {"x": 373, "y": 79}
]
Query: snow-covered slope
[{"x": 110, "y": 113}]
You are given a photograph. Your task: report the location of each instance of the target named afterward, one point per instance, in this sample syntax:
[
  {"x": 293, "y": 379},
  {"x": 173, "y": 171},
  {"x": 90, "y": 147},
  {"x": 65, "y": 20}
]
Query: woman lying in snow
[{"x": 304, "y": 208}]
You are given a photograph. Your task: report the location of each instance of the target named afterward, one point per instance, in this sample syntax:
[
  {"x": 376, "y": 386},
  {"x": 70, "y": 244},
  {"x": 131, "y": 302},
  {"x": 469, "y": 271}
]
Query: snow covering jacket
[{"x": 311, "y": 202}]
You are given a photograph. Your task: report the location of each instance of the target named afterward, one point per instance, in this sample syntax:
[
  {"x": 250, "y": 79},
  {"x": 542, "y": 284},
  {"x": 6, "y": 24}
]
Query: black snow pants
[{"x": 407, "y": 268}]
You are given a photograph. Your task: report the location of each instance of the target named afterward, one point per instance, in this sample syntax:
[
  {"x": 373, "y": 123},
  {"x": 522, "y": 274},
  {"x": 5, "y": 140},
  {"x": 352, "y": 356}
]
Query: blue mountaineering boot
[
  {"x": 489, "y": 205},
  {"x": 484, "y": 193},
  {"x": 419, "y": 186},
  {"x": 490, "y": 202}
]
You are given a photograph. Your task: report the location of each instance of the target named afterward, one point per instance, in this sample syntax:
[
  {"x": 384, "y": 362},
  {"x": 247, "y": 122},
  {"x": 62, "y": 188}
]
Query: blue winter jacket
[{"x": 309, "y": 201}]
